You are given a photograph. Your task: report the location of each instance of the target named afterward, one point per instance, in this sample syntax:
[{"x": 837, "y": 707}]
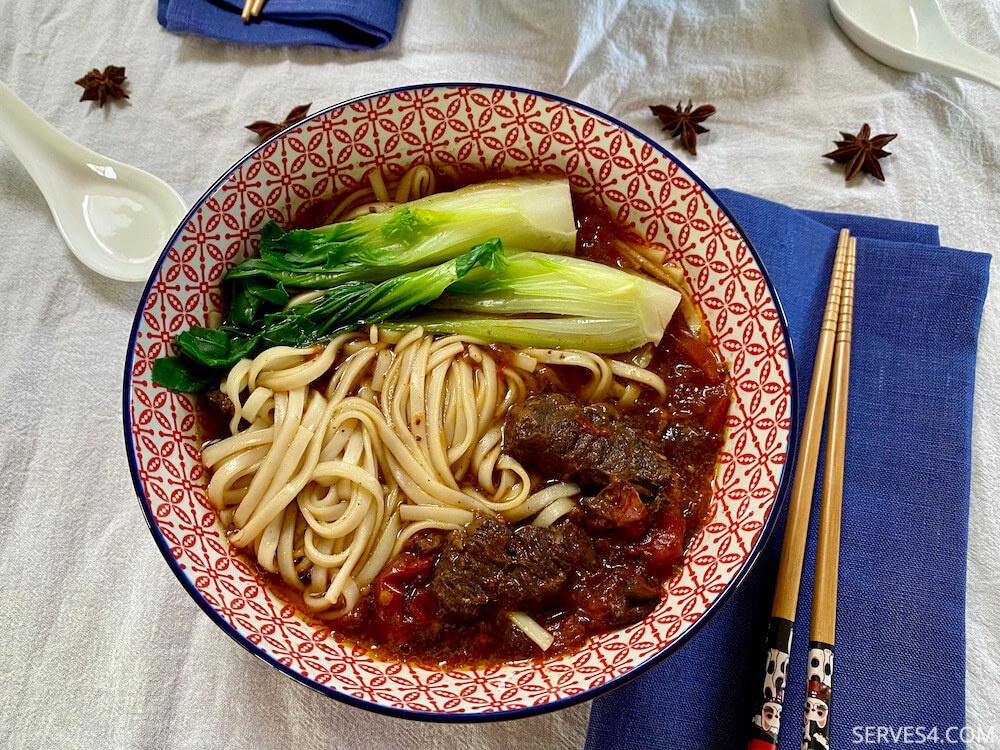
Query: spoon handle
[
  {"x": 32, "y": 140},
  {"x": 972, "y": 63},
  {"x": 949, "y": 52}
]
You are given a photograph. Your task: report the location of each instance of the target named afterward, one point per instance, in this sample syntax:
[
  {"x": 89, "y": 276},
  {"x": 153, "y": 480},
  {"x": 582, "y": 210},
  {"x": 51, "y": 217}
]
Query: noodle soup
[
  {"x": 473, "y": 132},
  {"x": 379, "y": 480}
]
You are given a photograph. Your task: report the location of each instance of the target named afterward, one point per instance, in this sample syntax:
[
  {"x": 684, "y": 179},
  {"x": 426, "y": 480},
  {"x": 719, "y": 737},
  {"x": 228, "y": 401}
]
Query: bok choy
[
  {"x": 555, "y": 301},
  {"x": 531, "y": 213},
  {"x": 494, "y": 261},
  {"x": 207, "y": 352}
]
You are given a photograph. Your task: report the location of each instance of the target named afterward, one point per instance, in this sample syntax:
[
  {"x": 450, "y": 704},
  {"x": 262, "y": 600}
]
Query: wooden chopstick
[
  {"x": 766, "y": 720},
  {"x": 823, "y": 622},
  {"x": 251, "y": 9}
]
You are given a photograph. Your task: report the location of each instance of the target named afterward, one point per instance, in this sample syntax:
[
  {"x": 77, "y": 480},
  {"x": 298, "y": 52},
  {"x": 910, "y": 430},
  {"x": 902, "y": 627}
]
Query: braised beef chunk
[
  {"x": 617, "y": 506},
  {"x": 617, "y": 596},
  {"x": 220, "y": 402},
  {"x": 426, "y": 543},
  {"x": 508, "y": 568},
  {"x": 466, "y": 573},
  {"x": 586, "y": 443}
]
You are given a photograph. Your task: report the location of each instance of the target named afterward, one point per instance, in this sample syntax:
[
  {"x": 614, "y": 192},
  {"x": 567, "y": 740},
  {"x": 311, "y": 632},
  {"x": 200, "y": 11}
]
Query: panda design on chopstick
[
  {"x": 767, "y": 719},
  {"x": 816, "y": 716}
]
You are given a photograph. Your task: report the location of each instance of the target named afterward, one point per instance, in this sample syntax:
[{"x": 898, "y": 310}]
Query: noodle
[
  {"x": 417, "y": 182},
  {"x": 347, "y": 450}
]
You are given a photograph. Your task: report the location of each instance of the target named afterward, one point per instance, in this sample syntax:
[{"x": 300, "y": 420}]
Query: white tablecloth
[{"x": 100, "y": 647}]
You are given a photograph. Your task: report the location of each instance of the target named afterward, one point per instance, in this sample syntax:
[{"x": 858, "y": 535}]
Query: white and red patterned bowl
[{"x": 470, "y": 128}]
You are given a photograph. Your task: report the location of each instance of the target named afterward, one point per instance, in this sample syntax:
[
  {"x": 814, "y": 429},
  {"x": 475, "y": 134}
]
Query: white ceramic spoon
[
  {"x": 913, "y": 35},
  {"x": 115, "y": 218}
]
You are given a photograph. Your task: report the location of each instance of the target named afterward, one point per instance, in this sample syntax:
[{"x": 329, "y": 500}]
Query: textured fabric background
[{"x": 99, "y": 645}]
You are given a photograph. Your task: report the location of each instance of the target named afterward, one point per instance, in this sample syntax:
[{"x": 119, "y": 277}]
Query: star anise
[
  {"x": 861, "y": 152},
  {"x": 100, "y": 86},
  {"x": 265, "y": 129},
  {"x": 684, "y": 122}
]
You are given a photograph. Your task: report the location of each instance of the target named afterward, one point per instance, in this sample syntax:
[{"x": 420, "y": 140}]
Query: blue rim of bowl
[{"x": 520, "y": 713}]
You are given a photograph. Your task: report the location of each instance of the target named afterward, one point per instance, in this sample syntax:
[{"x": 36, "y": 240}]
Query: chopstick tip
[{"x": 251, "y": 9}]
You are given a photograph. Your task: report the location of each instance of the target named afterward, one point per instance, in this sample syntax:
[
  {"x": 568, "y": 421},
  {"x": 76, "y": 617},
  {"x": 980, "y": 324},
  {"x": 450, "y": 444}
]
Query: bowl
[{"x": 469, "y": 129}]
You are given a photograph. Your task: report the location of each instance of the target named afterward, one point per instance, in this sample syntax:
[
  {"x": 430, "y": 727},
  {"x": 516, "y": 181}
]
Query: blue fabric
[
  {"x": 351, "y": 24},
  {"x": 900, "y": 646}
]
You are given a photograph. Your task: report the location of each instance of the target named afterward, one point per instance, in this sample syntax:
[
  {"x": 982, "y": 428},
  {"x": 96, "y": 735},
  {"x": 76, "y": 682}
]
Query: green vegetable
[
  {"x": 357, "y": 303},
  {"x": 528, "y": 212},
  {"x": 384, "y": 267},
  {"x": 555, "y": 301},
  {"x": 181, "y": 374},
  {"x": 207, "y": 353}
]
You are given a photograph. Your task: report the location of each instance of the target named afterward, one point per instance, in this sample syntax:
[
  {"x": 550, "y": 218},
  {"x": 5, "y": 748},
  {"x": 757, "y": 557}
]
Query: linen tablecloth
[{"x": 100, "y": 647}]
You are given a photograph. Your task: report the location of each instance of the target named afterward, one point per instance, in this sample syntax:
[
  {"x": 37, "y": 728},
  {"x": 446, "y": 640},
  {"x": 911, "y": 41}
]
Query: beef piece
[
  {"x": 541, "y": 560},
  {"x": 220, "y": 403},
  {"x": 617, "y": 506},
  {"x": 616, "y": 596},
  {"x": 426, "y": 543},
  {"x": 465, "y": 577},
  {"x": 511, "y": 569},
  {"x": 588, "y": 444}
]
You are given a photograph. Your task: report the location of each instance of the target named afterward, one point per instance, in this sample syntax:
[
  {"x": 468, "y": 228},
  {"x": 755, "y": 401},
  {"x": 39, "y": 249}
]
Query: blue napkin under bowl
[
  {"x": 900, "y": 644},
  {"x": 349, "y": 24}
]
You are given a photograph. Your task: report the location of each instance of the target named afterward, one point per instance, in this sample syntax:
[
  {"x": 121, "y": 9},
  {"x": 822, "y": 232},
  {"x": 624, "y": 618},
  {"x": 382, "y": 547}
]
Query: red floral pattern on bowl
[{"x": 471, "y": 129}]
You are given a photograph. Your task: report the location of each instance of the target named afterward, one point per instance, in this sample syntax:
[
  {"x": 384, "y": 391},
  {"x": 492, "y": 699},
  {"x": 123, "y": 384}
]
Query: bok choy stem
[{"x": 555, "y": 301}]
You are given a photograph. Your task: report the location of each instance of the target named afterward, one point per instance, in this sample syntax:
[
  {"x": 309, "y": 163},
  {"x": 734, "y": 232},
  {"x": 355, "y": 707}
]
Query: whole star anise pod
[
  {"x": 100, "y": 86},
  {"x": 861, "y": 152},
  {"x": 265, "y": 129},
  {"x": 684, "y": 122}
]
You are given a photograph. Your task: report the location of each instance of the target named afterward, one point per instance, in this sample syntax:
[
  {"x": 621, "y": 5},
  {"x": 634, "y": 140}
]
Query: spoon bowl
[
  {"x": 913, "y": 35},
  {"x": 114, "y": 217}
]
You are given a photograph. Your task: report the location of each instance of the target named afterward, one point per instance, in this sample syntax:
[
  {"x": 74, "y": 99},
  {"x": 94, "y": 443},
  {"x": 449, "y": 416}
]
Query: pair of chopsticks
[
  {"x": 827, "y": 398},
  {"x": 251, "y": 9}
]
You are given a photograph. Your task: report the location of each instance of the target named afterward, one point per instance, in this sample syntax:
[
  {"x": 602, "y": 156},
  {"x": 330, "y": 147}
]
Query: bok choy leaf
[{"x": 206, "y": 353}]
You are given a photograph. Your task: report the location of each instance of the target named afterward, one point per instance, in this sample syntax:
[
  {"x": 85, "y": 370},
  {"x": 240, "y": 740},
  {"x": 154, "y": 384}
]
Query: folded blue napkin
[
  {"x": 351, "y": 24},
  {"x": 900, "y": 644}
]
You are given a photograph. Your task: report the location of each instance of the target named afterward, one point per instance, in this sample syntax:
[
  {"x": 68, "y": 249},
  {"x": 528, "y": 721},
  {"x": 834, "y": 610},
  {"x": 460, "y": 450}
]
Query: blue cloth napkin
[
  {"x": 900, "y": 645},
  {"x": 350, "y": 24}
]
